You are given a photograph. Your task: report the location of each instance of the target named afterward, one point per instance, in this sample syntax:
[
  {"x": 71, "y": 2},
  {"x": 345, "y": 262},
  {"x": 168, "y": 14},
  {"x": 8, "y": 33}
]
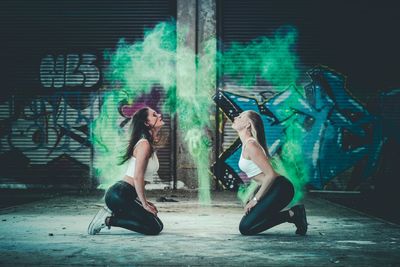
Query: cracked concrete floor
[{"x": 52, "y": 232}]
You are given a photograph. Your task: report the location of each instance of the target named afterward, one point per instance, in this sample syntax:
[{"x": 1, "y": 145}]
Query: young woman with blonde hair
[{"x": 275, "y": 191}]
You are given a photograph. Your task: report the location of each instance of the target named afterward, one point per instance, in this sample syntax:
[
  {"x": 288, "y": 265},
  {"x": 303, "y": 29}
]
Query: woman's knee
[
  {"x": 244, "y": 228},
  {"x": 113, "y": 201},
  {"x": 155, "y": 228},
  {"x": 153, "y": 231}
]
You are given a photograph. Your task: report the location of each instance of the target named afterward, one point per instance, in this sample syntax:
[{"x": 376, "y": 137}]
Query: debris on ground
[{"x": 164, "y": 199}]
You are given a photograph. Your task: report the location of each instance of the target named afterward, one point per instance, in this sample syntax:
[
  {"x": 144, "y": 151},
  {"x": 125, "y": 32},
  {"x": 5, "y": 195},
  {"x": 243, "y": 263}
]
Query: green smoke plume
[
  {"x": 195, "y": 87},
  {"x": 290, "y": 161},
  {"x": 162, "y": 59},
  {"x": 189, "y": 83},
  {"x": 109, "y": 141},
  {"x": 133, "y": 70},
  {"x": 271, "y": 60}
]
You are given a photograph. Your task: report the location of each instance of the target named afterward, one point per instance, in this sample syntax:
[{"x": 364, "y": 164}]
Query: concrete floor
[{"x": 52, "y": 232}]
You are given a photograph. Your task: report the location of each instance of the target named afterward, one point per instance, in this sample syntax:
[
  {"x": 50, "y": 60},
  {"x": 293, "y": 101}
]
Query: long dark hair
[
  {"x": 257, "y": 129},
  {"x": 139, "y": 130}
]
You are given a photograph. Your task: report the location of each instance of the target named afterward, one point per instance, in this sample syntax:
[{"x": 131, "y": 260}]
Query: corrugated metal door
[
  {"x": 44, "y": 135},
  {"x": 245, "y": 21},
  {"x": 338, "y": 34}
]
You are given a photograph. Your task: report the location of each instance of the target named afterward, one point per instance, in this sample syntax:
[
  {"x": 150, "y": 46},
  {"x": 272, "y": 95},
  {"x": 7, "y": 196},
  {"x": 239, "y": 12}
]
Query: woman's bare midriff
[
  {"x": 259, "y": 177},
  {"x": 129, "y": 180}
]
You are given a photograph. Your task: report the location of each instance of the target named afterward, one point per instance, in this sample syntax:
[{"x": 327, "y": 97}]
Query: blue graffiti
[{"x": 338, "y": 131}]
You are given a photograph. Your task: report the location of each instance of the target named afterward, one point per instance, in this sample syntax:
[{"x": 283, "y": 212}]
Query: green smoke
[
  {"x": 271, "y": 60},
  {"x": 137, "y": 67},
  {"x": 196, "y": 85},
  {"x": 290, "y": 161},
  {"x": 162, "y": 59},
  {"x": 133, "y": 70},
  {"x": 109, "y": 141},
  {"x": 188, "y": 79}
]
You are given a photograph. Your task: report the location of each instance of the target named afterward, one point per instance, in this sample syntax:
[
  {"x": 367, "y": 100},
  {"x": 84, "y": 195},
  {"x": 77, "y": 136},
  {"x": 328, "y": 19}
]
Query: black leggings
[
  {"x": 128, "y": 212},
  {"x": 267, "y": 213}
]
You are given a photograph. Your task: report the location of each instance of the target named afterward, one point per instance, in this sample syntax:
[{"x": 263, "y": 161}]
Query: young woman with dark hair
[
  {"x": 275, "y": 191},
  {"x": 126, "y": 203}
]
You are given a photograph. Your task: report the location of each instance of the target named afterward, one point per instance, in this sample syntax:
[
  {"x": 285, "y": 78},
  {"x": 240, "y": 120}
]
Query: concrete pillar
[
  {"x": 207, "y": 47},
  {"x": 186, "y": 34},
  {"x": 196, "y": 24}
]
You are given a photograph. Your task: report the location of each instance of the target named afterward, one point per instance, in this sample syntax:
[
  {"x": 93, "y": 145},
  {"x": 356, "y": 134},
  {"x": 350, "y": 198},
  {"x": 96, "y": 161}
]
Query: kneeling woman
[
  {"x": 126, "y": 203},
  {"x": 275, "y": 191}
]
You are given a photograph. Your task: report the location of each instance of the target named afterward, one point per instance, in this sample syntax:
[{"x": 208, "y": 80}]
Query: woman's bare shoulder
[
  {"x": 143, "y": 145},
  {"x": 253, "y": 147}
]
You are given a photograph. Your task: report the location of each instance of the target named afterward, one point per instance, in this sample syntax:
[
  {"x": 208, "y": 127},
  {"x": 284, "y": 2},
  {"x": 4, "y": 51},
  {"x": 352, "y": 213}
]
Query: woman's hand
[
  {"x": 249, "y": 206},
  {"x": 154, "y": 206},
  {"x": 150, "y": 208}
]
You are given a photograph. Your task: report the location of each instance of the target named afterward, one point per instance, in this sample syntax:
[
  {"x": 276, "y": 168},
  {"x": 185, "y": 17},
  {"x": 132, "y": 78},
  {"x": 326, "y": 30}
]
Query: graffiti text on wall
[{"x": 69, "y": 71}]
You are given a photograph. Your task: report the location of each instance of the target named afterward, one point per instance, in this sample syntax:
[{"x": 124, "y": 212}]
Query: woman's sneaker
[
  {"x": 99, "y": 221},
  {"x": 300, "y": 219}
]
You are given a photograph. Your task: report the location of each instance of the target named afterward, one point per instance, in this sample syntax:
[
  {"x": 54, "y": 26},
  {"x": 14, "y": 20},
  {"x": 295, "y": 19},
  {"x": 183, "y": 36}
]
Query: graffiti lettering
[{"x": 69, "y": 71}]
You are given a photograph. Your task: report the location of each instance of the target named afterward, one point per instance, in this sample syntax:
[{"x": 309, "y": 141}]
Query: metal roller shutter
[
  {"x": 44, "y": 122},
  {"x": 338, "y": 34}
]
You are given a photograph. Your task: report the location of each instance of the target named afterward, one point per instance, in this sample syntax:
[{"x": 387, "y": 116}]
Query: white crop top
[
  {"x": 152, "y": 166},
  {"x": 247, "y": 165}
]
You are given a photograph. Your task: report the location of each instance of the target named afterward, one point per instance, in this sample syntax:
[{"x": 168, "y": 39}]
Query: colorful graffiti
[
  {"x": 337, "y": 132},
  {"x": 152, "y": 100}
]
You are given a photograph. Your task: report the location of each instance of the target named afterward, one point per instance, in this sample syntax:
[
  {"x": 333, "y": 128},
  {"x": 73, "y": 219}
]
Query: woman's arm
[
  {"x": 143, "y": 153},
  {"x": 257, "y": 155}
]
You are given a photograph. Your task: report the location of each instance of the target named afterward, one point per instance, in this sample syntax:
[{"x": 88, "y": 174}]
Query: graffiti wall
[
  {"x": 332, "y": 128},
  {"x": 45, "y": 139},
  {"x": 54, "y": 69},
  {"x": 338, "y": 133}
]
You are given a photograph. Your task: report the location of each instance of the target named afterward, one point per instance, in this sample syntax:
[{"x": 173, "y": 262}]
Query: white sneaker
[{"x": 98, "y": 221}]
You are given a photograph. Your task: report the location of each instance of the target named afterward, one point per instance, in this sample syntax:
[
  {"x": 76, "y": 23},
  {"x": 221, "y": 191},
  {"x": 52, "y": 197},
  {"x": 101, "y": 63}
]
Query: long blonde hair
[{"x": 257, "y": 129}]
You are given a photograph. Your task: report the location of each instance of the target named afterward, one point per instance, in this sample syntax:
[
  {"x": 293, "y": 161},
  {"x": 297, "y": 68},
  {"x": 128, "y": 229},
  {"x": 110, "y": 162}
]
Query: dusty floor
[{"x": 52, "y": 232}]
